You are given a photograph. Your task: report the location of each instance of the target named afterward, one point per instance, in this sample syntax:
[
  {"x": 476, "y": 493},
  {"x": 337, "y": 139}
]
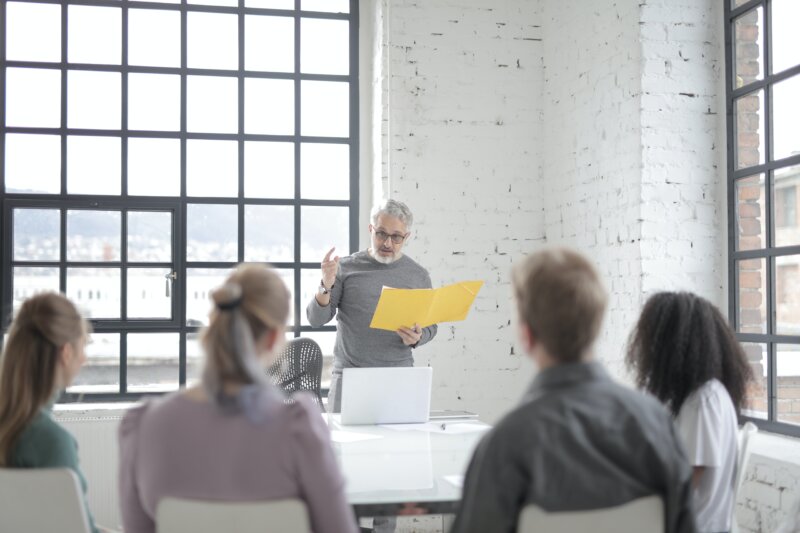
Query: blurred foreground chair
[
  {"x": 745, "y": 442},
  {"x": 644, "y": 514},
  {"x": 41, "y": 499},
  {"x": 299, "y": 368},
  {"x": 175, "y": 515}
]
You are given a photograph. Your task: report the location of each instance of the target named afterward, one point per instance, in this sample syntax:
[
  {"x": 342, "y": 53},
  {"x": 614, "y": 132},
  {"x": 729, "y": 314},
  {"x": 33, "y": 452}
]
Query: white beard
[{"x": 385, "y": 260}]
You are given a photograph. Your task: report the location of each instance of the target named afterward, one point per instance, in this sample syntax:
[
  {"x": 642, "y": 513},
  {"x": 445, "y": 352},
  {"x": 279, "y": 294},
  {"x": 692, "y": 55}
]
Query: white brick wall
[
  {"x": 464, "y": 142},
  {"x": 593, "y": 150}
]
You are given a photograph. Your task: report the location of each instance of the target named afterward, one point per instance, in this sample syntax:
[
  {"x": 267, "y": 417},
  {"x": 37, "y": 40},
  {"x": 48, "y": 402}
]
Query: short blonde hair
[{"x": 561, "y": 299}]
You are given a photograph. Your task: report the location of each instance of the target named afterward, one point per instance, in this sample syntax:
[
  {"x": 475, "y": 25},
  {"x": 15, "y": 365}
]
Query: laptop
[{"x": 395, "y": 395}]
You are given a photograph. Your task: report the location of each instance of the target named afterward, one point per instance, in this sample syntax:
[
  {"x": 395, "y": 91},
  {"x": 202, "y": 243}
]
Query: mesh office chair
[{"x": 299, "y": 368}]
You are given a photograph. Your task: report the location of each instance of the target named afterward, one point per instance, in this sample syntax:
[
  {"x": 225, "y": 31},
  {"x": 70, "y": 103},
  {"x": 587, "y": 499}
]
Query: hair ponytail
[{"x": 252, "y": 302}]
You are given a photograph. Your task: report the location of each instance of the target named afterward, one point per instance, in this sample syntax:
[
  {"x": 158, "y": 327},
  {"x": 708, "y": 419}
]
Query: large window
[
  {"x": 763, "y": 104},
  {"x": 148, "y": 147}
]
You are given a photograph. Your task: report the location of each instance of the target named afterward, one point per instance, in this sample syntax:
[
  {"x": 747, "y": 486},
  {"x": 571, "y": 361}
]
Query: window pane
[
  {"x": 94, "y": 35},
  {"x": 93, "y": 235},
  {"x": 33, "y": 97},
  {"x": 757, "y": 404},
  {"x": 785, "y": 41},
  {"x": 269, "y": 233},
  {"x": 786, "y": 118},
  {"x": 94, "y": 100},
  {"x": 748, "y": 48},
  {"x": 212, "y": 104},
  {"x": 752, "y": 295},
  {"x": 153, "y": 362},
  {"x": 322, "y": 229},
  {"x": 268, "y": 170},
  {"x": 750, "y": 213},
  {"x": 212, "y": 168},
  {"x": 29, "y": 281},
  {"x": 154, "y": 167},
  {"x": 330, "y": 6},
  {"x": 213, "y": 41},
  {"x": 33, "y": 163},
  {"x": 200, "y": 282},
  {"x": 37, "y": 234},
  {"x": 788, "y": 389},
  {"x": 325, "y": 171},
  {"x": 226, "y": 3},
  {"x": 270, "y": 4},
  {"x": 325, "y": 108},
  {"x": 309, "y": 285},
  {"x": 154, "y": 102},
  {"x": 194, "y": 359},
  {"x": 324, "y": 46},
  {"x": 269, "y": 43},
  {"x": 93, "y": 165},
  {"x": 269, "y": 106},
  {"x": 148, "y": 293},
  {"x": 154, "y": 38},
  {"x": 150, "y": 236},
  {"x": 101, "y": 371},
  {"x": 749, "y": 121},
  {"x": 96, "y": 291},
  {"x": 33, "y": 32},
  {"x": 787, "y": 294},
  {"x": 212, "y": 233},
  {"x": 787, "y": 228}
]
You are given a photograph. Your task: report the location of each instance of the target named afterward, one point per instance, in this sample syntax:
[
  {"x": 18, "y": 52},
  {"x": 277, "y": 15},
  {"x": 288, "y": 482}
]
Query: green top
[{"x": 45, "y": 444}]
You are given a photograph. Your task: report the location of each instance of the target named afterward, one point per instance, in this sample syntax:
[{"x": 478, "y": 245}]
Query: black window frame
[
  {"x": 178, "y": 204},
  {"x": 770, "y": 251}
]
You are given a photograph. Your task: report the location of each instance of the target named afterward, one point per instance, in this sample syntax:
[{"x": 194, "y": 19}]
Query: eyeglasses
[{"x": 396, "y": 238}]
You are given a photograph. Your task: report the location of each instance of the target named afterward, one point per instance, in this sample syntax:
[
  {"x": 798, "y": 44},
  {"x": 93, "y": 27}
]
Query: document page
[{"x": 405, "y": 307}]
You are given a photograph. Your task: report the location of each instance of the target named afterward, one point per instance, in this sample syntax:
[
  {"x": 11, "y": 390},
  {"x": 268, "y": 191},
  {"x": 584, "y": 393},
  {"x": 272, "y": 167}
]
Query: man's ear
[{"x": 526, "y": 337}]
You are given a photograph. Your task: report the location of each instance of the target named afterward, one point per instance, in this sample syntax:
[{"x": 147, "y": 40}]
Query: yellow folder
[{"x": 405, "y": 307}]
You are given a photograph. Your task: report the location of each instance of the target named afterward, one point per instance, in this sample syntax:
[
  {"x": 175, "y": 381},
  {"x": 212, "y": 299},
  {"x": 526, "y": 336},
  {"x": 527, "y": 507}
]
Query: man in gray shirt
[
  {"x": 577, "y": 441},
  {"x": 350, "y": 288}
]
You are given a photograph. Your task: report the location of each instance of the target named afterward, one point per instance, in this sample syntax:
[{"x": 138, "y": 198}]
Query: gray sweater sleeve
[
  {"x": 430, "y": 332},
  {"x": 319, "y": 315}
]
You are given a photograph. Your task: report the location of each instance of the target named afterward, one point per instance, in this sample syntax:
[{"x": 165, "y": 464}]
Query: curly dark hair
[{"x": 680, "y": 342}]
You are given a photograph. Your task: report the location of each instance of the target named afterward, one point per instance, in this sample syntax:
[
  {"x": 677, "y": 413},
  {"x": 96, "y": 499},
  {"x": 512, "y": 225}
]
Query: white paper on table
[
  {"x": 349, "y": 436},
  {"x": 450, "y": 428},
  {"x": 457, "y": 480}
]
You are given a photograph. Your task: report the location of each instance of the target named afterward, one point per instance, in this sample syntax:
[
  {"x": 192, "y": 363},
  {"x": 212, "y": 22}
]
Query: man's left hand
[{"x": 410, "y": 336}]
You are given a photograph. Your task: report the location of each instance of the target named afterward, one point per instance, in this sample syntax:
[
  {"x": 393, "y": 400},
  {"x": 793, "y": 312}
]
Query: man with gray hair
[{"x": 350, "y": 288}]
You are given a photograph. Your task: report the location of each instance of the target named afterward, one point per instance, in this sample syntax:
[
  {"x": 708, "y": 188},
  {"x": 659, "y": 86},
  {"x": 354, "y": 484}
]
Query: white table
[{"x": 388, "y": 469}]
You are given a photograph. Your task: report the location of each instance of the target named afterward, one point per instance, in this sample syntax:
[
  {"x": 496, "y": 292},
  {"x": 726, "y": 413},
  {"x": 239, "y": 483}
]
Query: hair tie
[{"x": 231, "y": 305}]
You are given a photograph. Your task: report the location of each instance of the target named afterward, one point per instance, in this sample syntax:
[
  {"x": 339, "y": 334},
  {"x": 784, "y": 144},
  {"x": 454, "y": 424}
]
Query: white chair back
[
  {"x": 744, "y": 447},
  {"x": 176, "y": 515},
  {"x": 41, "y": 499},
  {"x": 644, "y": 514}
]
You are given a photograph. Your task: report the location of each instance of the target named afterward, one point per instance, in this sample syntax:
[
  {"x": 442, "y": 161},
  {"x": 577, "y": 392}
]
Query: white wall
[
  {"x": 592, "y": 169},
  {"x": 464, "y": 141}
]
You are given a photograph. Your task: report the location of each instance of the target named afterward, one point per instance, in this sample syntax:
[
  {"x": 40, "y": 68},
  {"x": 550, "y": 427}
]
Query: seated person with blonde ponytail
[
  {"x": 43, "y": 353},
  {"x": 233, "y": 437}
]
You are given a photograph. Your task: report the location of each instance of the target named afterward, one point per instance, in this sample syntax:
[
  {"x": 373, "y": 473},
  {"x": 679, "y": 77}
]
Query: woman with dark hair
[{"x": 685, "y": 354}]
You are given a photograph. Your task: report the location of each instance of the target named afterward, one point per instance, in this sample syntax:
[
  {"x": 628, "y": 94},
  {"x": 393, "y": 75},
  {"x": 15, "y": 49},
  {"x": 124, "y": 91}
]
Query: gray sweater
[{"x": 353, "y": 300}]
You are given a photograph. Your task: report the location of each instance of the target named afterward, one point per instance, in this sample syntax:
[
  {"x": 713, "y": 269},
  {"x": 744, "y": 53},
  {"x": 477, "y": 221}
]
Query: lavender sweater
[{"x": 180, "y": 447}]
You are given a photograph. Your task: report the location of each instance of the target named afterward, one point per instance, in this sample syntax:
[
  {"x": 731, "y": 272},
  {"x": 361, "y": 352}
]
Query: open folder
[{"x": 405, "y": 307}]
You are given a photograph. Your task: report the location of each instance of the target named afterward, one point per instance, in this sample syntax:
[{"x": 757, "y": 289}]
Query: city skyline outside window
[{"x": 150, "y": 148}]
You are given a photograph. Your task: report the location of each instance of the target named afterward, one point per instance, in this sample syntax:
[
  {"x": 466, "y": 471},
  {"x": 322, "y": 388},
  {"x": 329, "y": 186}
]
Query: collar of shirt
[{"x": 565, "y": 375}]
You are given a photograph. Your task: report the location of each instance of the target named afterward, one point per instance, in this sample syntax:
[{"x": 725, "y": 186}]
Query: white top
[{"x": 707, "y": 423}]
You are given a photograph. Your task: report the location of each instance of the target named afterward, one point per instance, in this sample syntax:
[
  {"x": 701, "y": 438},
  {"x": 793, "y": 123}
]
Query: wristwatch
[{"x": 322, "y": 289}]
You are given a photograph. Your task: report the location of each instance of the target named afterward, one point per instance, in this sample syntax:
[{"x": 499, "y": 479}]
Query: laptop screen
[{"x": 395, "y": 395}]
